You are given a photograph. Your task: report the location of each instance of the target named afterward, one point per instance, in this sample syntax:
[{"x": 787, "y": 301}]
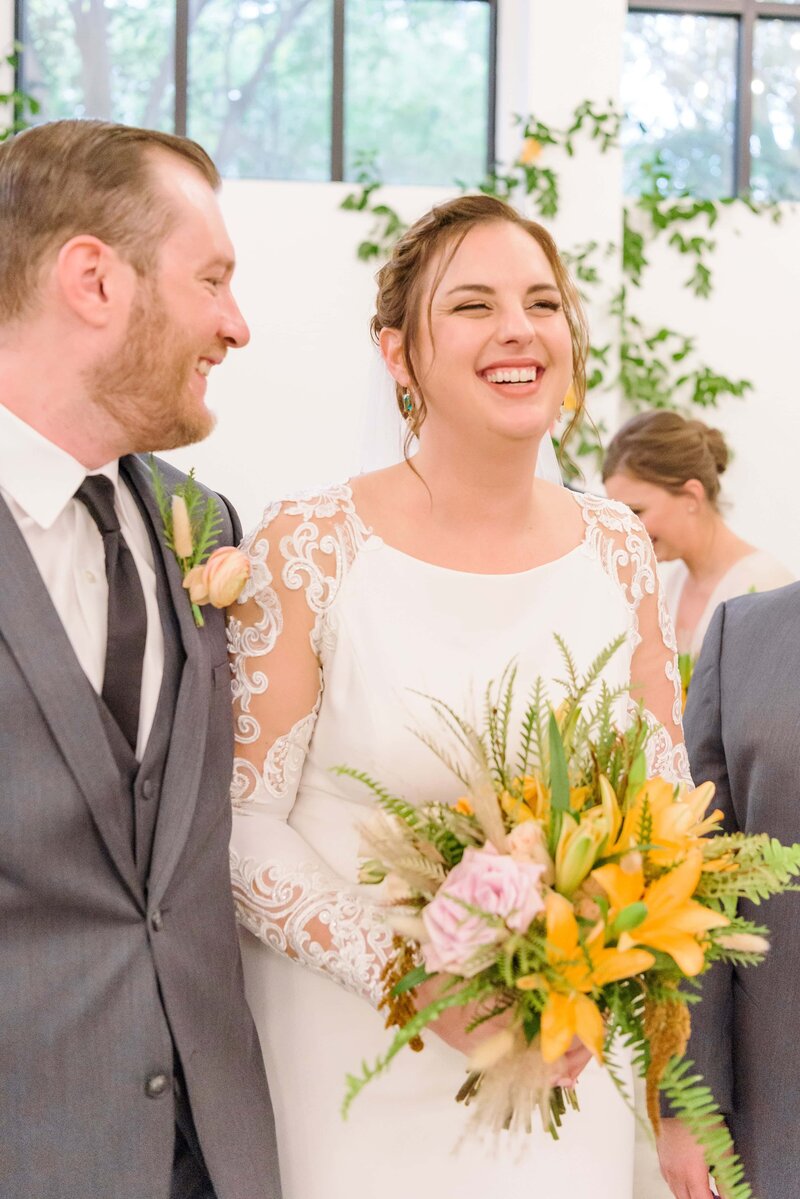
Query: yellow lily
[
  {"x": 677, "y": 821},
  {"x": 515, "y": 808},
  {"x": 579, "y": 846},
  {"x": 673, "y": 919},
  {"x": 608, "y": 799},
  {"x": 569, "y": 1012}
]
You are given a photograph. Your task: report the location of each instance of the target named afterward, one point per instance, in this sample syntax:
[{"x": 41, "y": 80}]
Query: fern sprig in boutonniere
[{"x": 191, "y": 525}]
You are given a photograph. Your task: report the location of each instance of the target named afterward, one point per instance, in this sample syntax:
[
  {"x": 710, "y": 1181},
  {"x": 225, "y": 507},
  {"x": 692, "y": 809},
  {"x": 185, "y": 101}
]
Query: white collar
[{"x": 37, "y": 474}]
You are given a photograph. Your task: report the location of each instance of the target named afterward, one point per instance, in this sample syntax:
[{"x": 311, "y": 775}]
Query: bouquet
[{"x": 570, "y": 894}]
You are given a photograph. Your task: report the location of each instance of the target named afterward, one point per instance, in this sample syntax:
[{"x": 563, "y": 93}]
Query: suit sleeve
[{"x": 711, "y": 1042}]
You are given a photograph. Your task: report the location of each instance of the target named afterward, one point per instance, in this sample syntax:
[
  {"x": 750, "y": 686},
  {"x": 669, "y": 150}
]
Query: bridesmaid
[{"x": 667, "y": 469}]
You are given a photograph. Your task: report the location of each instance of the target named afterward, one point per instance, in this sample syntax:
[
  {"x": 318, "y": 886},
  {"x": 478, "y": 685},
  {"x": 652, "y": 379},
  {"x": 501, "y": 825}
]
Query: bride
[{"x": 428, "y": 576}]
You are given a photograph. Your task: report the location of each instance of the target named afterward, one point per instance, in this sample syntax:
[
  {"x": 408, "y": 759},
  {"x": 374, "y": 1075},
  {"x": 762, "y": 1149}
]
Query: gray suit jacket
[
  {"x": 743, "y": 732},
  {"x": 103, "y": 966}
]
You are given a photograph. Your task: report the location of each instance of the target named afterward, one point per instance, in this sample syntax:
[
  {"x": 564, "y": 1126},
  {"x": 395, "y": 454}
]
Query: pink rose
[
  {"x": 496, "y": 884},
  {"x": 219, "y": 580}
]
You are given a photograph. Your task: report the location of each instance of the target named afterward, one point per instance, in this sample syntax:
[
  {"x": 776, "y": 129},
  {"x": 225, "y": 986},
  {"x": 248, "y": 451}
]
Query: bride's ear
[{"x": 391, "y": 345}]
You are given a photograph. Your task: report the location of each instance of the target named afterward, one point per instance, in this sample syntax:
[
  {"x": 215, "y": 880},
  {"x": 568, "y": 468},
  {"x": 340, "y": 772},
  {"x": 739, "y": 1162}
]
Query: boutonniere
[{"x": 192, "y": 524}]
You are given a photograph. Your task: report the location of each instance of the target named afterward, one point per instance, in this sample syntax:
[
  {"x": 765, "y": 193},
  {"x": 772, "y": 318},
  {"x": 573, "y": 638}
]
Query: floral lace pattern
[
  {"x": 300, "y": 570},
  {"x": 282, "y": 905},
  {"x": 617, "y": 538}
]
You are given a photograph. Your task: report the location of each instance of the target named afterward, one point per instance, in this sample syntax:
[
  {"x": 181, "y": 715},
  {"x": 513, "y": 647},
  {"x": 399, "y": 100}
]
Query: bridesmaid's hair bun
[
  {"x": 667, "y": 449},
  {"x": 715, "y": 443}
]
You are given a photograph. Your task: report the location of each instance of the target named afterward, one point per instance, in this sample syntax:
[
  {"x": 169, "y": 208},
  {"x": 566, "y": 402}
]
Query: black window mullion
[
  {"x": 491, "y": 138},
  {"x": 337, "y": 92},
  {"x": 744, "y": 99},
  {"x": 181, "y": 65}
]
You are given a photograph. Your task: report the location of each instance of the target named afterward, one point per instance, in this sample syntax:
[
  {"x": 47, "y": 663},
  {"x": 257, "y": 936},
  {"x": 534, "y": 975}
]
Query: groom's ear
[
  {"x": 391, "y": 344},
  {"x": 92, "y": 280}
]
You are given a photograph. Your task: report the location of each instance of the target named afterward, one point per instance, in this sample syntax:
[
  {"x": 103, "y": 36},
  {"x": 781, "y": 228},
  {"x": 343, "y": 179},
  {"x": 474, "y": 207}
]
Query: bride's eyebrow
[{"x": 482, "y": 288}]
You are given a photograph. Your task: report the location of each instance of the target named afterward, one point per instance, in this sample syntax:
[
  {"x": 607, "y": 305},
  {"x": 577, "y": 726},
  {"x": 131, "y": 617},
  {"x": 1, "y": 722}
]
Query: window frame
[
  {"x": 339, "y": 15},
  {"x": 747, "y": 13}
]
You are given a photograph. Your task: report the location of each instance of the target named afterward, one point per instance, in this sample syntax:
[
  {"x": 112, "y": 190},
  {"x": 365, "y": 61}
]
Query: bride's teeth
[
  {"x": 204, "y": 366},
  {"x": 525, "y": 374}
]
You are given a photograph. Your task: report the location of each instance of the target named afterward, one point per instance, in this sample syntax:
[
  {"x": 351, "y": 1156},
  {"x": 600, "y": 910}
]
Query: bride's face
[{"x": 496, "y": 355}]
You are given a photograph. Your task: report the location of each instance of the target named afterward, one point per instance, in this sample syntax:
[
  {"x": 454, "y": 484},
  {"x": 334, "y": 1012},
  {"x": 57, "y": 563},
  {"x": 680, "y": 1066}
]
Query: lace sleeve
[
  {"x": 620, "y": 541},
  {"x": 285, "y": 895}
]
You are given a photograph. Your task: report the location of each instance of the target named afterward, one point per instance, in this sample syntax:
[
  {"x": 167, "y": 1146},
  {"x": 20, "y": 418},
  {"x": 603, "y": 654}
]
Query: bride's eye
[
  {"x": 476, "y": 306},
  {"x": 546, "y": 306}
]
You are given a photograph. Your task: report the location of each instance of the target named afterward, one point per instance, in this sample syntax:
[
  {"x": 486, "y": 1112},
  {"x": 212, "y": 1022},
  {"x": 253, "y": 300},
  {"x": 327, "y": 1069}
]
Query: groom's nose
[{"x": 234, "y": 329}]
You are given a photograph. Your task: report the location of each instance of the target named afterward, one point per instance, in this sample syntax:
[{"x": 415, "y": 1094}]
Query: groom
[
  {"x": 129, "y": 1065},
  {"x": 742, "y": 729}
]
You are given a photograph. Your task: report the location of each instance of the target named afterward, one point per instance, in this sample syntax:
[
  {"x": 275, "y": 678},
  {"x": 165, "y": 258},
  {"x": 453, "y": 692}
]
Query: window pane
[
  {"x": 417, "y": 83},
  {"x": 678, "y": 93},
  {"x": 112, "y": 59},
  {"x": 775, "y": 142},
  {"x": 260, "y": 77}
]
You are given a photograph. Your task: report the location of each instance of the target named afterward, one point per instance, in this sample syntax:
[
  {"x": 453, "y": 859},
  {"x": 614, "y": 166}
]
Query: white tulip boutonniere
[{"x": 192, "y": 524}]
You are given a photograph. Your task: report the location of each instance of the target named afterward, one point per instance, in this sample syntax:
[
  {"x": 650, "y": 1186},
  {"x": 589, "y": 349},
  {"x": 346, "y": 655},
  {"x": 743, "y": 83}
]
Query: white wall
[
  {"x": 291, "y": 406},
  {"x": 749, "y": 329}
]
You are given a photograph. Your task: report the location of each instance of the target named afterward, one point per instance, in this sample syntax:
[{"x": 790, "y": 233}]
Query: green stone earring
[{"x": 408, "y": 403}]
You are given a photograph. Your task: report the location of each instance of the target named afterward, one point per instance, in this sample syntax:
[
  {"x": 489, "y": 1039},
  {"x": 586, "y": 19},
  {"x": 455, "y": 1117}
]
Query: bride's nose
[{"x": 514, "y": 324}]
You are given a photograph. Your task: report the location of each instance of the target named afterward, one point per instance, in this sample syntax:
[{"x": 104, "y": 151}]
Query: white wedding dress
[{"x": 378, "y": 626}]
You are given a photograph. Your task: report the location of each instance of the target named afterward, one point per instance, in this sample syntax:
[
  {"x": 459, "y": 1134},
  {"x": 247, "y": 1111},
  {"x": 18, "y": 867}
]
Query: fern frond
[
  {"x": 356, "y": 1083},
  {"x": 447, "y": 759},
  {"x": 498, "y": 720},
  {"x": 692, "y": 1102},
  {"x": 206, "y": 530},
  {"x": 392, "y": 804},
  {"x": 532, "y": 752},
  {"x": 162, "y": 500}
]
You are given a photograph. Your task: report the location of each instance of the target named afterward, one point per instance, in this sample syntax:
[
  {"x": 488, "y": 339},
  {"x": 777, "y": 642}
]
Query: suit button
[
  {"x": 156, "y": 921},
  {"x": 149, "y": 789},
  {"x": 156, "y": 1085}
]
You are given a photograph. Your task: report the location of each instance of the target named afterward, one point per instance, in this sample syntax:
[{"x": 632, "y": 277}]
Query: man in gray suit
[
  {"x": 129, "y": 1064},
  {"x": 743, "y": 733}
]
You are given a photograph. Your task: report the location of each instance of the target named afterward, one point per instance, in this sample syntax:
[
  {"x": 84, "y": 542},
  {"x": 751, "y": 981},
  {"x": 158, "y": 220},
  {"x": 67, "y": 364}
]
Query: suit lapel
[
  {"x": 36, "y": 638},
  {"x": 184, "y": 763}
]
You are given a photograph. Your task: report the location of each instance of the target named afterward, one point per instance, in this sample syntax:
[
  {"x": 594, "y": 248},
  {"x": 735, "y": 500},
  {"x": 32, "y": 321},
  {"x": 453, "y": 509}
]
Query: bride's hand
[
  {"x": 453, "y": 1023},
  {"x": 452, "y": 1026},
  {"x": 569, "y": 1067}
]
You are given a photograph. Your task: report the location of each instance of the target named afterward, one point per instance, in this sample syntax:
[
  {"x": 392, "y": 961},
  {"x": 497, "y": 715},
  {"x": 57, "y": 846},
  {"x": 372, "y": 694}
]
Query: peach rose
[{"x": 219, "y": 581}]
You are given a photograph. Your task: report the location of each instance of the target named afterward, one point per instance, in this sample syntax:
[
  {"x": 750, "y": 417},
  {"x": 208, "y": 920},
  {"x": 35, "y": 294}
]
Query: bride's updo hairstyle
[
  {"x": 401, "y": 302},
  {"x": 667, "y": 449}
]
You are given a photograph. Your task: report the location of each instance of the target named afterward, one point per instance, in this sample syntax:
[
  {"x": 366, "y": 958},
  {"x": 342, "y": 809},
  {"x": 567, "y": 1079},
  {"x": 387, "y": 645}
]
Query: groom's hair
[{"x": 66, "y": 178}]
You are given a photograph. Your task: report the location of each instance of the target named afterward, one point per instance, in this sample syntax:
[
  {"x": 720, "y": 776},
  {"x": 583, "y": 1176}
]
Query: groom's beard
[{"x": 145, "y": 385}]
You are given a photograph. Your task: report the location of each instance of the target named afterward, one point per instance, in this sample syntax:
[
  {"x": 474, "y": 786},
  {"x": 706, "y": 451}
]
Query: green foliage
[
  {"x": 205, "y": 521},
  {"x": 387, "y": 226},
  {"x": 22, "y": 104},
  {"x": 475, "y": 989},
  {"x": 692, "y": 1102},
  {"x": 763, "y": 867}
]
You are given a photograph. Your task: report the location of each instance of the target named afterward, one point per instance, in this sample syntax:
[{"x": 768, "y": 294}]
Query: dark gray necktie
[{"x": 127, "y": 615}]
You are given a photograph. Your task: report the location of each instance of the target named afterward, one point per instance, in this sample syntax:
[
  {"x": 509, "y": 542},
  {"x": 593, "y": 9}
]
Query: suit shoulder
[
  {"x": 763, "y": 610},
  {"x": 173, "y": 477}
]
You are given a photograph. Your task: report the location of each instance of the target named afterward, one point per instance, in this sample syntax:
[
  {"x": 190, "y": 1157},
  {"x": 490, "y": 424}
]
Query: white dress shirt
[{"x": 38, "y": 481}]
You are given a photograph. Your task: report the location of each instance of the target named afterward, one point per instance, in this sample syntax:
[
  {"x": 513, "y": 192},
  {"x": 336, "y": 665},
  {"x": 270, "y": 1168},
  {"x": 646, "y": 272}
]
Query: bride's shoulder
[
  {"x": 320, "y": 506},
  {"x": 317, "y": 522},
  {"x": 609, "y": 516}
]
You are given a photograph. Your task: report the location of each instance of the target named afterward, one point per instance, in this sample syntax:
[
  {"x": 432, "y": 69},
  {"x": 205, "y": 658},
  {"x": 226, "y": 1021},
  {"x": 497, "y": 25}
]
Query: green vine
[
  {"x": 22, "y": 104},
  {"x": 654, "y": 367}
]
